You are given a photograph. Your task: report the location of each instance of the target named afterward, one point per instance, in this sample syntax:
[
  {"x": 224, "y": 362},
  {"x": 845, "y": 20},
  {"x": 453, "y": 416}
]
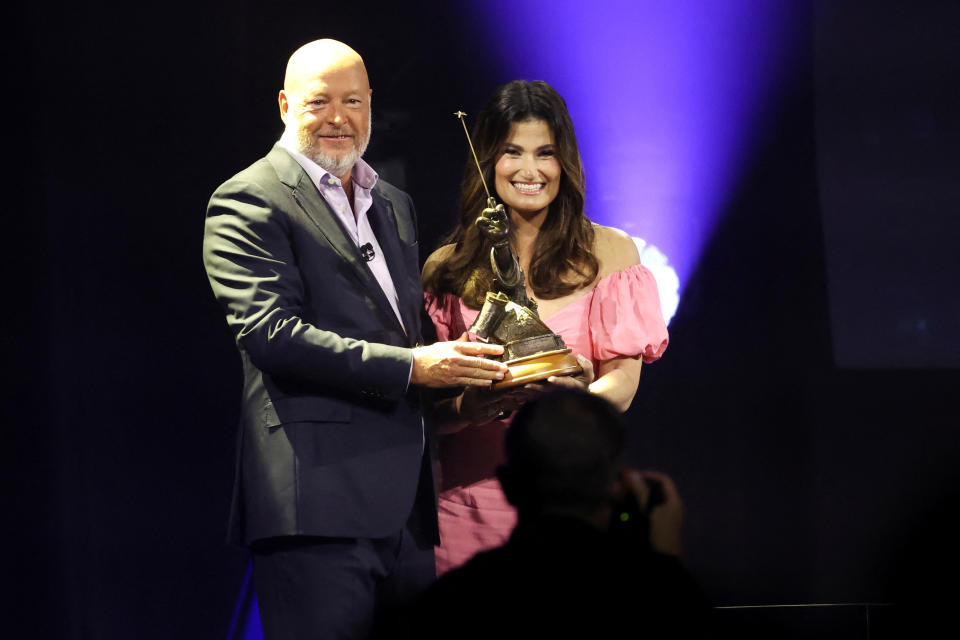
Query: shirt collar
[{"x": 363, "y": 175}]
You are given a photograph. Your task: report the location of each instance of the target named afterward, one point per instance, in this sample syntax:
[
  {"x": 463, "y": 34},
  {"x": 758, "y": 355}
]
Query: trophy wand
[
  {"x": 494, "y": 224},
  {"x": 461, "y": 115}
]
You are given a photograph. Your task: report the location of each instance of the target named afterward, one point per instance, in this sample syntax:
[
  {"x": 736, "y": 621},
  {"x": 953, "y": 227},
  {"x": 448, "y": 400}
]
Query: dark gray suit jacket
[{"x": 330, "y": 436}]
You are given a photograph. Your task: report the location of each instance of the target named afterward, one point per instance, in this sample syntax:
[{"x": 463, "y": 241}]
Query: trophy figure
[{"x": 509, "y": 317}]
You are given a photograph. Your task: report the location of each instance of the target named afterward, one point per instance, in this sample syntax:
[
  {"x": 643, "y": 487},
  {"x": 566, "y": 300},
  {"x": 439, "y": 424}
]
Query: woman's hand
[
  {"x": 581, "y": 381},
  {"x": 479, "y": 405}
]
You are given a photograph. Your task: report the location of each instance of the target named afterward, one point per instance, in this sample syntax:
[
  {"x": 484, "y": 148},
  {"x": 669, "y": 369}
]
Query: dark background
[{"x": 814, "y": 448}]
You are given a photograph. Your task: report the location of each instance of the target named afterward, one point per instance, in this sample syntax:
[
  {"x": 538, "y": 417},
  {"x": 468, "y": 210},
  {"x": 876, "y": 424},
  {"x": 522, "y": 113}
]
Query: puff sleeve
[{"x": 625, "y": 317}]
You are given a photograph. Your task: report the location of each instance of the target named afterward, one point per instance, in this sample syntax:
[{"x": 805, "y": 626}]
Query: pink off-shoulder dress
[{"x": 620, "y": 316}]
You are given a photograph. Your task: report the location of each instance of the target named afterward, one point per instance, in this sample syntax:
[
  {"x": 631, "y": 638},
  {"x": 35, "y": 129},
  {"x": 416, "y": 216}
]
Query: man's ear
[{"x": 284, "y": 103}]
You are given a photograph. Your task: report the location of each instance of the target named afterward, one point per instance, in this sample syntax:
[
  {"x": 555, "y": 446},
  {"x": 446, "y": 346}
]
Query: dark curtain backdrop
[{"x": 803, "y": 480}]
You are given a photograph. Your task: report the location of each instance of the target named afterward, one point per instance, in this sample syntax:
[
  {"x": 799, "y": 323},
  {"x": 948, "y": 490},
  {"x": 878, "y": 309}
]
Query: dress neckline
[{"x": 588, "y": 293}]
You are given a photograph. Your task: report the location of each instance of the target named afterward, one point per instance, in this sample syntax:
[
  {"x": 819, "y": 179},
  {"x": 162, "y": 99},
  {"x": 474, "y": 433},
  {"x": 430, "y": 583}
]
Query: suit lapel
[
  {"x": 316, "y": 208},
  {"x": 383, "y": 222}
]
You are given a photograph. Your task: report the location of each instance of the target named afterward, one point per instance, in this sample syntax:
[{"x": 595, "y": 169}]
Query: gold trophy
[{"x": 531, "y": 350}]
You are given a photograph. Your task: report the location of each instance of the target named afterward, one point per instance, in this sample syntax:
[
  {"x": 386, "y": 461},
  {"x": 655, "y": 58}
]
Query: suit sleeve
[{"x": 251, "y": 268}]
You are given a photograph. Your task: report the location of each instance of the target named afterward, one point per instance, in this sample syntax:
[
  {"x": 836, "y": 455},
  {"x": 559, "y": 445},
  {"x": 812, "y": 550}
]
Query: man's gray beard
[{"x": 336, "y": 166}]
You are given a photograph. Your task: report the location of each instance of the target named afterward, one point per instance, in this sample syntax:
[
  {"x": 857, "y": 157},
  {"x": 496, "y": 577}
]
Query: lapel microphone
[{"x": 367, "y": 252}]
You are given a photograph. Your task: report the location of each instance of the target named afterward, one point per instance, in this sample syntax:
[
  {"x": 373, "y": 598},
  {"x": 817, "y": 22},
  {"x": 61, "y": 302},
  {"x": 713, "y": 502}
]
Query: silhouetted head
[{"x": 564, "y": 453}]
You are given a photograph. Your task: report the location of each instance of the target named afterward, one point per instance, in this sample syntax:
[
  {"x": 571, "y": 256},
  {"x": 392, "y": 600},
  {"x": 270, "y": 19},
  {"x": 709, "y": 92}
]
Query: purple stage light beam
[{"x": 665, "y": 96}]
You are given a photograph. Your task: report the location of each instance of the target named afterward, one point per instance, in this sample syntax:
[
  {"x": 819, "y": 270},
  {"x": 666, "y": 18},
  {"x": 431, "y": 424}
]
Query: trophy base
[{"x": 539, "y": 366}]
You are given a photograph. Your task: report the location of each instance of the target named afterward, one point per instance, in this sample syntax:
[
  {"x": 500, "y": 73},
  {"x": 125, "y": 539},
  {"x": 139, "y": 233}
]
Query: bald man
[{"x": 315, "y": 262}]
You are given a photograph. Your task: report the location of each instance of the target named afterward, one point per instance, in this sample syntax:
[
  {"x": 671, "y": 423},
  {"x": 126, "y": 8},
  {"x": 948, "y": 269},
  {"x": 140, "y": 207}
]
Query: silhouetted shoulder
[{"x": 615, "y": 250}]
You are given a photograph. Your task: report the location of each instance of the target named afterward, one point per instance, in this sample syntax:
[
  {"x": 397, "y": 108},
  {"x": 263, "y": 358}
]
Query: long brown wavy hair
[{"x": 563, "y": 258}]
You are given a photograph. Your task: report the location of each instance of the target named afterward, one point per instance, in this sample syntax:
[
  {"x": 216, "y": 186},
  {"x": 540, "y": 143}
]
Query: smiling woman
[
  {"x": 587, "y": 280},
  {"x": 528, "y": 174},
  {"x": 524, "y": 135}
]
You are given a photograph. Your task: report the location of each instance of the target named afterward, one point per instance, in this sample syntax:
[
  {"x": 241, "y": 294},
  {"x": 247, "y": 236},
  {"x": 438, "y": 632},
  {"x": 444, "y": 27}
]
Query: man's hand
[
  {"x": 666, "y": 518},
  {"x": 457, "y": 363}
]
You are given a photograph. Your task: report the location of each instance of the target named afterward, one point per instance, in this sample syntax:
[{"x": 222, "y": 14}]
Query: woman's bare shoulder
[
  {"x": 436, "y": 259},
  {"x": 615, "y": 249}
]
